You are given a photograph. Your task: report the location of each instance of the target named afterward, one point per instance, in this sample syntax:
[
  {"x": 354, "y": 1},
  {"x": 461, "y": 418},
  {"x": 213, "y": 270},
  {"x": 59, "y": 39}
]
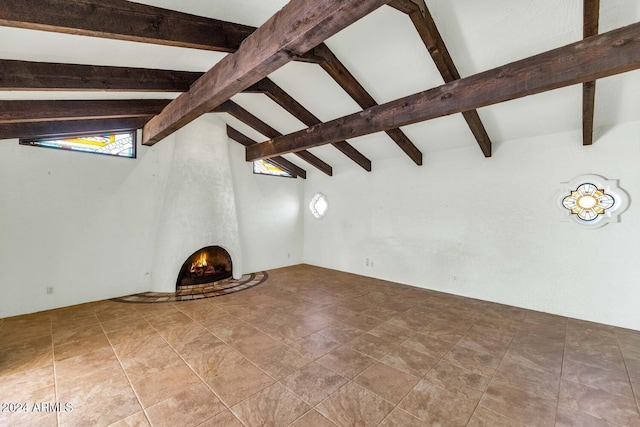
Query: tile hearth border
[{"x": 209, "y": 290}]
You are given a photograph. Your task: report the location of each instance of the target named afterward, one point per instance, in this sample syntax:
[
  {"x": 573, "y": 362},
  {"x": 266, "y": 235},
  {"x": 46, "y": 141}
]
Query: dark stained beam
[
  {"x": 428, "y": 31},
  {"x": 614, "y": 52},
  {"x": 150, "y": 25},
  {"x": 294, "y": 30},
  {"x": 247, "y": 118},
  {"x": 254, "y": 122},
  {"x": 24, "y": 75},
  {"x": 286, "y": 101},
  {"x": 278, "y": 161},
  {"x": 336, "y": 69},
  {"x": 47, "y": 110},
  {"x": 348, "y": 82},
  {"x": 69, "y": 127},
  {"x": 588, "y": 108},
  {"x": 124, "y": 20},
  {"x": 591, "y": 16}
]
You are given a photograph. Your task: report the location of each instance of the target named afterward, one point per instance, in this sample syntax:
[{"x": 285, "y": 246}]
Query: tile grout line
[
  {"x": 348, "y": 380},
  {"x": 593, "y": 387},
  {"x": 327, "y": 398},
  {"x": 124, "y": 371},
  {"x": 564, "y": 349},
  {"x": 635, "y": 395},
  {"x": 397, "y": 406},
  {"x": 496, "y": 370},
  {"x": 248, "y": 360},
  {"x": 427, "y": 373},
  {"x": 591, "y": 415},
  {"x": 441, "y": 359},
  {"x": 55, "y": 376},
  {"x": 228, "y": 408}
]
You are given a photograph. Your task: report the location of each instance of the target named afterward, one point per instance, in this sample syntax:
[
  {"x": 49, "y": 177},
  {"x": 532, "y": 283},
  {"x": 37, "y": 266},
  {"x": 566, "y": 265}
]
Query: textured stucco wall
[
  {"x": 270, "y": 215},
  {"x": 199, "y": 205},
  {"x": 490, "y": 228},
  {"x": 80, "y": 223}
]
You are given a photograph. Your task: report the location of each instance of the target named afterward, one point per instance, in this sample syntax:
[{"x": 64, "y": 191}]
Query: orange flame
[{"x": 200, "y": 262}]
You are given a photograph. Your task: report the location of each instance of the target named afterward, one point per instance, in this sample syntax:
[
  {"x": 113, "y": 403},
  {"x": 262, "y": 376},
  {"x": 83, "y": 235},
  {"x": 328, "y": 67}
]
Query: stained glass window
[
  {"x": 588, "y": 201},
  {"x": 122, "y": 144},
  {"x": 592, "y": 201},
  {"x": 265, "y": 167}
]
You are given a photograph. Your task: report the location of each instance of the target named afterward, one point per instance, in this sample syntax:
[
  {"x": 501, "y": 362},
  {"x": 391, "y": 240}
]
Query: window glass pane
[
  {"x": 264, "y": 167},
  {"x": 122, "y": 144}
]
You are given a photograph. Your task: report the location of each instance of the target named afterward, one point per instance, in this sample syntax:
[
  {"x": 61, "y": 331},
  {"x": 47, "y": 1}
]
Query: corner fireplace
[{"x": 207, "y": 265}]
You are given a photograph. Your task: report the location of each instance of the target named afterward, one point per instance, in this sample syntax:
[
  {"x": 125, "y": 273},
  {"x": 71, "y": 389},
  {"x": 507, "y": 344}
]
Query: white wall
[
  {"x": 489, "y": 228},
  {"x": 84, "y": 224},
  {"x": 199, "y": 206},
  {"x": 97, "y": 227},
  {"x": 485, "y": 228},
  {"x": 270, "y": 216}
]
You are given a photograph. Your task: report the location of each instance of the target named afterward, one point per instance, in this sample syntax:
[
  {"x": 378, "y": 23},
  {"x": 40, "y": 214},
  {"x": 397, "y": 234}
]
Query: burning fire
[{"x": 200, "y": 262}]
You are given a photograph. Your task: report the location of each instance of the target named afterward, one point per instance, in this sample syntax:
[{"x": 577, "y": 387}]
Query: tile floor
[{"x": 316, "y": 347}]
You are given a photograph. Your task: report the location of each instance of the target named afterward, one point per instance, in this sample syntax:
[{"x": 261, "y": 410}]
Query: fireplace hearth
[{"x": 207, "y": 265}]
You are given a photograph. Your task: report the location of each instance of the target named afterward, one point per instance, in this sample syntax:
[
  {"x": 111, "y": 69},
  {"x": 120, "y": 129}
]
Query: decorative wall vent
[
  {"x": 318, "y": 205},
  {"x": 592, "y": 201}
]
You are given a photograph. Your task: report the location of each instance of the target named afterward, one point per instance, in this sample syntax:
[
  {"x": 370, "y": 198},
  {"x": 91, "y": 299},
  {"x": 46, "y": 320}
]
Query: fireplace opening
[{"x": 207, "y": 265}]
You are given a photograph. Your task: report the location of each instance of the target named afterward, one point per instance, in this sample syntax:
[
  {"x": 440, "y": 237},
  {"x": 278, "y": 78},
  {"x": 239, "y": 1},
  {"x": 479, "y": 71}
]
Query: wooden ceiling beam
[
  {"x": 124, "y": 20},
  {"x": 281, "y": 162},
  {"x": 348, "y": 82},
  {"x": 296, "y": 29},
  {"x": 286, "y": 101},
  {"x": 150, "y": 25},
  {"x": 49, "y": 110},
  {"x": 614, "y": 52},
  {"x": 25, "y": 75},
  {"x": 254, "y": 122},
  {"x": 591, "y": 16},
  {"x": 129, "y": 21},
  {"x": 428, "y": 31},
  {"x": 247, "y": 118},
  {"x": 69, "y": 127}
]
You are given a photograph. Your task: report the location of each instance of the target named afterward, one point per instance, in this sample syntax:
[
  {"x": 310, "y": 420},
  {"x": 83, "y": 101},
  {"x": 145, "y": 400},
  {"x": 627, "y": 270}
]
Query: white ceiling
[{"x": 384, "y": 52}]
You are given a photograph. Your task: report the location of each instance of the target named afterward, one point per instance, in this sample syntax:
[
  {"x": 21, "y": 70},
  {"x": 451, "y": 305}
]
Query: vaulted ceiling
[{"x": 83, "y": 65}]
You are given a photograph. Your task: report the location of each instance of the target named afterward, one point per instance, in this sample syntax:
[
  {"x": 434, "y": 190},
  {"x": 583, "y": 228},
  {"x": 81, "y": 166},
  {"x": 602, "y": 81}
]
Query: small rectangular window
[
  {"x": 120, "y": 144},
  {"x": 265, "y": 167}
]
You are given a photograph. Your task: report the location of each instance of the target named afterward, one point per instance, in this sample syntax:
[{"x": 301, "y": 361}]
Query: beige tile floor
[{"x": 316, "y": 347}]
